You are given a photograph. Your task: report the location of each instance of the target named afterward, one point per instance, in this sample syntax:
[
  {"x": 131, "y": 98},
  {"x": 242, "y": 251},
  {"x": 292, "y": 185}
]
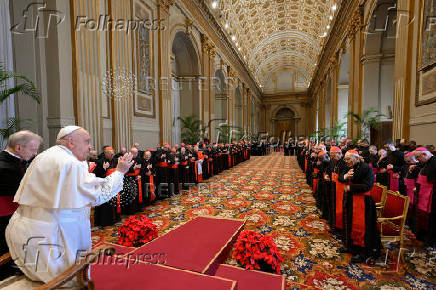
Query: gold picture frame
[{"x": 426, "y": 62}]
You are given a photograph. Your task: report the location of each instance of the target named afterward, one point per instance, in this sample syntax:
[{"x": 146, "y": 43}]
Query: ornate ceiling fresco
[{"x": 276, "y": 35}]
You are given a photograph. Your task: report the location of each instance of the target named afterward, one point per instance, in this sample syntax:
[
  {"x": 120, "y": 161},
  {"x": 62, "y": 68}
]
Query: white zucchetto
[{"x": 67, "y": 130}]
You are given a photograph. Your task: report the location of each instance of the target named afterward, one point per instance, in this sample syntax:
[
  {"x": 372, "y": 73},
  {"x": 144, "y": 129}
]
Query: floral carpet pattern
[{"x": 271, "y": 193}]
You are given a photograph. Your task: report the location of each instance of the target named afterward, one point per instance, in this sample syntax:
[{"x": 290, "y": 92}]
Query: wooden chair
[
  {"x": 80, "y": 271},
  {"x": 378, "y": 194},
  {"x": 392, "y": 221},
  {"x": 5, "y": 258}
]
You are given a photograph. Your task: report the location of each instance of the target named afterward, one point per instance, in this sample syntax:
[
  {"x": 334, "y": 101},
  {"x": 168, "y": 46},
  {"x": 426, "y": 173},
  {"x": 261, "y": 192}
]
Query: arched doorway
[
  {"x": 379, "y": 67},
  {"x": 185, "y": 89},
  {"x": 284, "y": 123}
]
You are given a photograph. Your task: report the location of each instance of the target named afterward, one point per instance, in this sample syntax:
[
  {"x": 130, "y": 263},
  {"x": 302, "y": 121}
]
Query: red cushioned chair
[
  {"x": 378, "y": 194},
  {"x": 393, "y": 218}
]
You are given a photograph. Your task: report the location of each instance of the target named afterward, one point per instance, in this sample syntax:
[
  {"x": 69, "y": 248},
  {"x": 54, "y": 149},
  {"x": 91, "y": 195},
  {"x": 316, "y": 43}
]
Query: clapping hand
[
  {"x": 349, "y": 174},
  {"x": 105, "y": 165},
  {"x": 137, "y": 166},
  {"x": 390, "y": 166},
  {"x": 125, "y": 162}
]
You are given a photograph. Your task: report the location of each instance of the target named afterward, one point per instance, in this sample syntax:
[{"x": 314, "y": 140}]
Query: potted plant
[
  {"x": 369, "y": 119},
  {"x": 22, "y": 85},
  {"x": 136, "y": 231},
  {"x": 257, "y": 252}
]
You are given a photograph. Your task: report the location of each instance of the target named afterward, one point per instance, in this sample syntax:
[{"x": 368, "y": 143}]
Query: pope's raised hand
[{"x": 125, "y": 162}]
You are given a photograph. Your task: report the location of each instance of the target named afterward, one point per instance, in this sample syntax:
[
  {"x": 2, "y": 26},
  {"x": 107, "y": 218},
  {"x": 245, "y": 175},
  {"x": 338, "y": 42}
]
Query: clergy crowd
[
  {"x": 342, "y": 176},
  {"x": 161, "y": 172},
  {"x": 46, "y": 199}
]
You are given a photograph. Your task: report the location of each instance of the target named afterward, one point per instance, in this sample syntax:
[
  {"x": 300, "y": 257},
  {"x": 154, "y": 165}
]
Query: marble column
[
  {"x": 355, "y": 36},
  {"x": 164, "y": 73}
]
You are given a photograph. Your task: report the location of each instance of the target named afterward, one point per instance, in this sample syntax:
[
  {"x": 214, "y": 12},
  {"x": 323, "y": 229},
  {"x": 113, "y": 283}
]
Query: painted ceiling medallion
[{"x": 273, "y": 35}]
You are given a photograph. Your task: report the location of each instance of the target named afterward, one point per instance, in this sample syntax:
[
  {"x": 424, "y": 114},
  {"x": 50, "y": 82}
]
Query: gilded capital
[
  {"x": 355, "y": 24},
  {"x": 165, "y": 4}
]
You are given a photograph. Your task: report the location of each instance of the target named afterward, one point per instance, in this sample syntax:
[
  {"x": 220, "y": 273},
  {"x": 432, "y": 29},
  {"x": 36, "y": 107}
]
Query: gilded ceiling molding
[
  {"x": 262, "y": 29},
  {"x": 284, "y": 35},
  {"x": 189, "y": 25},
  {"x": 165, "y": 4}
]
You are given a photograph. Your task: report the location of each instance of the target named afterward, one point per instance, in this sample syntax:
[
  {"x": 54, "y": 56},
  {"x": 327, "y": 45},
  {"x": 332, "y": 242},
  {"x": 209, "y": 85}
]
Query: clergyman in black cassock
[{"x": 360, "y": 218}]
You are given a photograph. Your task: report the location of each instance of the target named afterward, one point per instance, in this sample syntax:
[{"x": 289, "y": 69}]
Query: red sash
[
  {"x": 393, "y": 182},
  {"x": 136, "y": 173},
  {"x": 305, "y": 165},
  {"x": 339, "y": 198},
  {"x": 195, "y": 171},
  {"x": 152, "y": 194},
  {"x": 174, "y": 166},
  {"x": 7, "y": 205},
  {"x": 410, "y": 185},
  {"x": 425, "y": 194},
  {"x": 162, "y": 164},
  {"x": 315, "y": 180},
  {"x": 92, "y": 166},
  {"x": 109, "y": 172},
  {"x": 209, "y": 161},
  {"x": 358, "y": 223},
  {"x": 184, "y": 163}
]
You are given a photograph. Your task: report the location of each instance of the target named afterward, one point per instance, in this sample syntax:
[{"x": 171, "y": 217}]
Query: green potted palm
[
  {"x": 191, "y": 129},
  {"x": 369, "y": 119},
  {"x": 21, "y": 85}
]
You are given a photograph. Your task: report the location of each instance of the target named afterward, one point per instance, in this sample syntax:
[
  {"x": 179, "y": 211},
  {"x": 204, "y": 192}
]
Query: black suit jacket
[{"x": 11, "y": 172}]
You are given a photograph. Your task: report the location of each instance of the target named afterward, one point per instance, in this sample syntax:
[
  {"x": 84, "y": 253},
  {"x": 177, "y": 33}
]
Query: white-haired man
[
  {"x": 22, "y": 147},
  {"x": 426, "y": 187},
  {"x": 51, "y": 226},
  {"x": 361, "y": 237}
]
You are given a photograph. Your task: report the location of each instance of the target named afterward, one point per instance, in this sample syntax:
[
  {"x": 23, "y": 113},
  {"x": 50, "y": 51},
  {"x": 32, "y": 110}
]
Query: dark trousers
[{"x": 4, "y": 221}]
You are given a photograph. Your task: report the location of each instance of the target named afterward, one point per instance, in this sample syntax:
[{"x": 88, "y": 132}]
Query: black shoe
[
  {"x": 356, "y": 259},
  {"x": 344, "y": 250}
]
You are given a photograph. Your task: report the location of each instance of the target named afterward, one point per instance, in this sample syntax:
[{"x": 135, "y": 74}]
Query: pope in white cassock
[{"x": 51, "y": 228}]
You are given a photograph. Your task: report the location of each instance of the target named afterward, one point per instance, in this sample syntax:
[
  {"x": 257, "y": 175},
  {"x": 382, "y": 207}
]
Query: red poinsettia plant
[
  {"x": 255, "y": 251},
  {"x": 136, "y": 231}
]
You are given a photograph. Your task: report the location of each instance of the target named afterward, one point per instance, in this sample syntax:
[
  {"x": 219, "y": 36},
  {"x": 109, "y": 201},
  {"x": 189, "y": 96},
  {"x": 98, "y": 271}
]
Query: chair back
[
  {"x": 378, "y": 194},
  {"x": 396, "y": 206}
]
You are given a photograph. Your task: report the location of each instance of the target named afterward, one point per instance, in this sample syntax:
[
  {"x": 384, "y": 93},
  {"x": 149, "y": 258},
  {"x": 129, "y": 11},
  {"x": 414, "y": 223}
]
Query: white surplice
[{"x": 51, "y": 228}]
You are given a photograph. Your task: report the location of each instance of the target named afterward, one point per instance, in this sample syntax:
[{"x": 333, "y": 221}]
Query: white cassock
[{"x": 51, "y": 228}]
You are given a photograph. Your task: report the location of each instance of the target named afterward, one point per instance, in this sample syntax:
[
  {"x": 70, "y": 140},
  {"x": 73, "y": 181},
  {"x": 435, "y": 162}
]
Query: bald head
[
  {"x": 134, "y": 152},
  {"x": 422, "y": 156},
  {"x": 351, "y": 159}
]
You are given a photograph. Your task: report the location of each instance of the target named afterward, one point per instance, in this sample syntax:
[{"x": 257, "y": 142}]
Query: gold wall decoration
[
  {"x": 426, "y": 62},
  {"x": 144, "y": 102}
]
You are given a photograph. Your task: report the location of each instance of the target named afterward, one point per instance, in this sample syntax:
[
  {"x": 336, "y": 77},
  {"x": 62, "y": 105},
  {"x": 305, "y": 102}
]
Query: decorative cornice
[{"x": 165, "y": 4}]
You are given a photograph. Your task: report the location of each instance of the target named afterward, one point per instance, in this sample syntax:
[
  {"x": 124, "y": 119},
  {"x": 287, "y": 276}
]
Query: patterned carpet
[{"x": 270, "y": 192}]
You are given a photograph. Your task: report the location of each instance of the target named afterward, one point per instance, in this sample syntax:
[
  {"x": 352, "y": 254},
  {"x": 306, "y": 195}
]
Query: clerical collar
[{"x": 12, "y": 154}]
